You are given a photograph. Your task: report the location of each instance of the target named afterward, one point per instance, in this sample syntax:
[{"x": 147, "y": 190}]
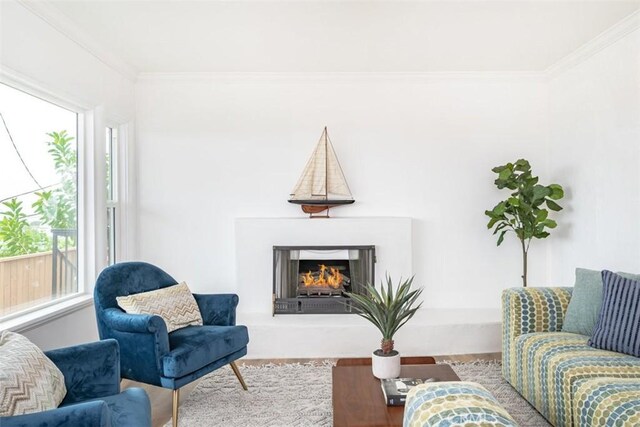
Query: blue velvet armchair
[
  {"x": 151, "y": 355},
  {"x": 92, "y": 378}
]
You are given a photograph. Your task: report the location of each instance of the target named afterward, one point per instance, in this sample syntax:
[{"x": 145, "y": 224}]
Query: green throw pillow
[{"x": 586, "y": 301}]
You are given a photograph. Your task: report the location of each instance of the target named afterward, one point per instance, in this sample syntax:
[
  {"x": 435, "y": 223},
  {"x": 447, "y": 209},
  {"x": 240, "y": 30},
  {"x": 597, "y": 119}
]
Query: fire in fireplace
[
  {"x": 314, "y": 279},
  {"x": 324, "y": 279}
]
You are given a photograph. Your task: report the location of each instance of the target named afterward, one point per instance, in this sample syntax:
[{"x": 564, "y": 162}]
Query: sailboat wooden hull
[{"x": 317, "y": 206}]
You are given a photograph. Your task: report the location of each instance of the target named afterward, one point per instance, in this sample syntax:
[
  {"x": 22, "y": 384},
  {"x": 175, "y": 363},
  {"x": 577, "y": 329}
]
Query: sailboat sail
[{"x": 322, "y": 178}]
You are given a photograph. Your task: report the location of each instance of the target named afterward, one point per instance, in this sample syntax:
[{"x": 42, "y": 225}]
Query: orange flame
[{"x": 333, "y": 280}]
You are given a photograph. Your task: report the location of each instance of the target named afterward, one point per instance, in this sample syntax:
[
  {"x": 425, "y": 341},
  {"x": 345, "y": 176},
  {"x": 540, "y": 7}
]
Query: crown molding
[
  {"x": 603, "y": 40},
  {"x": 292, "y": 77},
  {"x": 61, "y": 23},
  {"x": 35, "y": 88}
]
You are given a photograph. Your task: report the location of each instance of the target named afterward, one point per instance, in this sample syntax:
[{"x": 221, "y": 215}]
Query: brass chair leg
[
  {"x": 238, "y": 374},
  {"x": 176, "y": 401}
]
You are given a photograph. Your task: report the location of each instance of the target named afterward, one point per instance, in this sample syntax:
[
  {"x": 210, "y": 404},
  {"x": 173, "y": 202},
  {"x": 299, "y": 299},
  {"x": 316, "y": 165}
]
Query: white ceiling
[{"x": 336, "y": 36}]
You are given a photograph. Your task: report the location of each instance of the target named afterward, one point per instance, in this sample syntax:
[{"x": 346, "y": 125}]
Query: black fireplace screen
[{"x": 314, "y": 279}]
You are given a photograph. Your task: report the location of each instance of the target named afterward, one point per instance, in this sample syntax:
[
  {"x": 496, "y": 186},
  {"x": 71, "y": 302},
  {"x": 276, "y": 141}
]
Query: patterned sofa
[{"x": 566, "y": 380}]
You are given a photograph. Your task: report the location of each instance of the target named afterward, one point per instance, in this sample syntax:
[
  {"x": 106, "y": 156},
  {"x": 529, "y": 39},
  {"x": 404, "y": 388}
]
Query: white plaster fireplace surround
[
  {"x": 255, "y": 238},
  {"x": 430, "y": 332}
]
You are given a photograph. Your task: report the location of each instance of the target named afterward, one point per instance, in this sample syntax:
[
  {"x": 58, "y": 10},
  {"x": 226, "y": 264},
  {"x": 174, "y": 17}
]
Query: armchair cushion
[
  {"x": 174, "y": 304},
  {"x": 194, "y": 347},
  {"x": 29, "y": 381}
]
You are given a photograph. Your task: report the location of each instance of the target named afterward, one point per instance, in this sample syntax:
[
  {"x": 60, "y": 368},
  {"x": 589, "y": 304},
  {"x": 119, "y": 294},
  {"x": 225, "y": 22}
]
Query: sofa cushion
[
  {"x": 175, "y": 304},
  {"x": 586, "y": 301},
  {"x": 618, "y": 327},
  {"x": 607, "y": 402},
  {"x": 548, "y": 364},
  {"x": 194, "y": 347}
]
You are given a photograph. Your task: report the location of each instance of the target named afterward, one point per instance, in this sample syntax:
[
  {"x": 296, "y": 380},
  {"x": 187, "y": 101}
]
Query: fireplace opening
[{"x": 314, "y": 279}]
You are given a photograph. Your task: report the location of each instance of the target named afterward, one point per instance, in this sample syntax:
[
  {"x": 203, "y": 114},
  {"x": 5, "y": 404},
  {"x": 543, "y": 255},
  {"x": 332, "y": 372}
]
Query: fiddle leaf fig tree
[{"x": 526, "y": 211}]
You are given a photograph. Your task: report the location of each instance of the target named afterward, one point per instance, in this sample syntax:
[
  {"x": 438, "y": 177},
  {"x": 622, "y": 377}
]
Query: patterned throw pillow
[
  {"x": 175, "y": 304},
  {"x": 618, "y": 328},
  {"x": 29, "y": 381}
]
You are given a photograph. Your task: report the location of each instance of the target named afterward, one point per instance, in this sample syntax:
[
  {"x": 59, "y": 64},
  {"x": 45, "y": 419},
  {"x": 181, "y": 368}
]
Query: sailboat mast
[{"x": 326, "y": 163}]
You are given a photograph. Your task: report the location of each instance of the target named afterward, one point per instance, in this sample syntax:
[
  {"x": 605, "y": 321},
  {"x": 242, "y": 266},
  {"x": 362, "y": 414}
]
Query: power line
[
  {"x": 29, "y": 192},
  {"x": 18, "y": 153}
]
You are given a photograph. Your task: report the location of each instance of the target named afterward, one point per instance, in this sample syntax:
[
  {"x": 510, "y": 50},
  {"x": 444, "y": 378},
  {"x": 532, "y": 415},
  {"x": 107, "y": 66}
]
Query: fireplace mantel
[{"x": 255, "y": 238}]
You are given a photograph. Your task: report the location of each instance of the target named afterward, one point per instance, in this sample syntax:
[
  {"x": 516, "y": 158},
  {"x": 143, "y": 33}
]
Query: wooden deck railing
[{"x": 27, "y": 280}]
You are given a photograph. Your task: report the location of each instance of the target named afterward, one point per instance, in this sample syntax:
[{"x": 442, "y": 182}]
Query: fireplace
[{"x": 314, "y": 279}]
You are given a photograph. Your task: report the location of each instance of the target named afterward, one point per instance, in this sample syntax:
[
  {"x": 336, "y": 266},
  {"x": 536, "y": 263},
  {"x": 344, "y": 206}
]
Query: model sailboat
[{"x": 322, "y": 184}]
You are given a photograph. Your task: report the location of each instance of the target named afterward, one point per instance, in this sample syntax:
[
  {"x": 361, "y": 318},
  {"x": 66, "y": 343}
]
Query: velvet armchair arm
[
  {"x": 88, "y": 414},
  {"x": 90, "y": 370},
  {"x": 143, "y": 342},
  {"x": 218, "y": 309}
]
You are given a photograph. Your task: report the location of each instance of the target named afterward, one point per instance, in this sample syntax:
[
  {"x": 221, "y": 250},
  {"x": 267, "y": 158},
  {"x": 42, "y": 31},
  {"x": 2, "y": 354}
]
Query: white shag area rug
[{"x": 299, "y": 395}]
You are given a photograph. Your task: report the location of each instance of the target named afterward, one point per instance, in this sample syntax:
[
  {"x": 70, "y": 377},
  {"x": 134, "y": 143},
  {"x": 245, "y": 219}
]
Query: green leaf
[
  {"x": 513, "y": 201},
  {"x": 492, "y": 222},
  {"x": 550, "y": 223},
  {"x": 553, "y": 205},
  {"x": 500, "y": 208},
  {"x": 501, "y": 238},
  {"x": 504, "y": 174},
  {"x": 542, "y": 215},
  {"x": 540, "y": 192},
  {"x": 500, "y": 227},
  {"x": 557, "y": 192}
]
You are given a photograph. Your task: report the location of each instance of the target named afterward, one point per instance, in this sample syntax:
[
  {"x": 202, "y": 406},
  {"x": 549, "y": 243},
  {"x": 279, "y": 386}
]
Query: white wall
[
  {"x": 595, "y": 152},
  {"x": 36, "y": 51},
  {"x": 35, "y": 55},
  {"x": 213, "y": 148}
]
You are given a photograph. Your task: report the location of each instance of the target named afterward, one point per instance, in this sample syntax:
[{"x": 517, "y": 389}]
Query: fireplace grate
[{"x": 312, "y": 306}]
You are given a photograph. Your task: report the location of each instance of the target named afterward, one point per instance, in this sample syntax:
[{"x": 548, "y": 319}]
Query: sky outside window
[{"x": 29, "y": 119}]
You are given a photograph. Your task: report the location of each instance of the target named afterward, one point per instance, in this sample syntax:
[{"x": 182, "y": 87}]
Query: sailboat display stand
[{"x": 322, "y": 184}]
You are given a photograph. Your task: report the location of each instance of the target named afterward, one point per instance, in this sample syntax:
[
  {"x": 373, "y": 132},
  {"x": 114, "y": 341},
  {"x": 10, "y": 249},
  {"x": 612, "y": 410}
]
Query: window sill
[{"x": 44, "y": 315}]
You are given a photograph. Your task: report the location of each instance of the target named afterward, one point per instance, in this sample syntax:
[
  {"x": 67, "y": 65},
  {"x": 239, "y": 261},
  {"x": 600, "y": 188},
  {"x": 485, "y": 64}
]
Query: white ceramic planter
[{"x": 385, "y": 366}]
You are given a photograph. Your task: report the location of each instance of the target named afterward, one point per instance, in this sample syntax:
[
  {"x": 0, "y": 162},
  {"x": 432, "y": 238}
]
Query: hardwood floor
[{"x": 161, "y": 397}]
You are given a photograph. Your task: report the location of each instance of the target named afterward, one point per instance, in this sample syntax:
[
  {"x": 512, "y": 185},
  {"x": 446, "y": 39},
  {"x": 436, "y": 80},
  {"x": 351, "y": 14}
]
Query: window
[
  {"x": 38, "y": 201},
  {"x": 112, "y": 195}
]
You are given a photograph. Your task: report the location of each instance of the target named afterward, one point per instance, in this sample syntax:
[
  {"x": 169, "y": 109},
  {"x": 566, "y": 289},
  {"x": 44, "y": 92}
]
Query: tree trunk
[
  {"x": 386, "y": 346},
  {"x": 524, "y": 264}
]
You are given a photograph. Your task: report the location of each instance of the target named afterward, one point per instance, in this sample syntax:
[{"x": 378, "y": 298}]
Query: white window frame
[
  {"x": 124, "y": 202},
  {"x": 91, "y": 206}
]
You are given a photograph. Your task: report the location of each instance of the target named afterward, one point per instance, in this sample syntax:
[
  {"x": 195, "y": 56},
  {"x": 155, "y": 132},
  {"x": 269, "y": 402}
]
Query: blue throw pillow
[
  {"x": 584, "y": 306},
  {"x": 618, "y": 327}
]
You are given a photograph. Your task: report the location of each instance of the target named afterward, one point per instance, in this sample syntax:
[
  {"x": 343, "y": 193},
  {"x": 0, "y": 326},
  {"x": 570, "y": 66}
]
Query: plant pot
[{"x": 384, "y": 367}]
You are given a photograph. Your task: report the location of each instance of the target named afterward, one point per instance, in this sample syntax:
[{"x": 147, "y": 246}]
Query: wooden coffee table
[{"x": 357, "y": 395}]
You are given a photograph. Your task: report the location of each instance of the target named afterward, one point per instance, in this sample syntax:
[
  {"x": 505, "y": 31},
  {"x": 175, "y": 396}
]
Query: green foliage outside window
[{"x": 22, "y": 234}]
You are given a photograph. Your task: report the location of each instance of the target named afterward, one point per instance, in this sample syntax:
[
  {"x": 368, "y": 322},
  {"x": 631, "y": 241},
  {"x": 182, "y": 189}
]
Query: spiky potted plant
[{"x": 388, "y": 309}]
